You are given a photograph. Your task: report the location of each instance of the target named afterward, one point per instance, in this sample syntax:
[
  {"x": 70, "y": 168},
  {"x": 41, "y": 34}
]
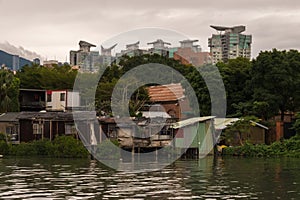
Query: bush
[
  {"x": 290, "y": 147},
  {"x": 69, "y": 147},
  {"x": 43, "y": 147},
  {"x": 23, "y": 149},
  {"x": 2, "y": 137},
  {"x": 4, "y": 148},
  {"x": 62, "y": 146}
]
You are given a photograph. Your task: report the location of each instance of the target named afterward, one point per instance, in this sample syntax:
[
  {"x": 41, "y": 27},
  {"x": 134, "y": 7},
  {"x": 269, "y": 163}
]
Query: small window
[
  {"x": 12, "y": 133},
  {"x": 62, "y": 96},
  {"x": 49, "y": 97},
  {"x": 37, "y": 128}
]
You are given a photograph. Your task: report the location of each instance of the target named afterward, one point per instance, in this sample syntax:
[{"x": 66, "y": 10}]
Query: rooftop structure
[
  {"x": 84, "y": 58},
  {"x": 107, "y": 51},
  {"x": 234, "y": 29},
  {"x": 229, "y": 43},
  {"x": 159, "y": 44},
  {"x": 190, "y": 44},
  {"x": 85, "y": 46},
  {"x": 133, "y": 46}
]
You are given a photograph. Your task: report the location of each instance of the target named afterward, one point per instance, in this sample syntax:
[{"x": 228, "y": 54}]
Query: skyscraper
[
  {"x": 90, "y": 61},
  {"x": 229, "y": 43},
  {"x": 84, "y": 57}
]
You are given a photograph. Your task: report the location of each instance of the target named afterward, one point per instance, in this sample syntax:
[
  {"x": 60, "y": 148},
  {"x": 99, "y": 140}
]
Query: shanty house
[
  {"x": 196, "y": 134},
  {"x": 9, "y": 125},
  {"x": 32, "y": 99},
  {"x": 62, "y": 100},
  {"x": 256, "y": 134},
  {"x": 172, "y": 98}
]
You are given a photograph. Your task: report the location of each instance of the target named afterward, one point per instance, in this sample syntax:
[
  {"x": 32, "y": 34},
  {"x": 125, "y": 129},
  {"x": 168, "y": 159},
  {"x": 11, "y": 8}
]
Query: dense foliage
[
  {"x": 296, "y": 125},
  {"x": 275, "y": 79},
  {"x": 52, "y": 78},
  {"x": 289, "y": 147},
  {"x": 9, "y": 91},
  {"x": 235, "y": 130},
  {"x": 60, "y": 147}
]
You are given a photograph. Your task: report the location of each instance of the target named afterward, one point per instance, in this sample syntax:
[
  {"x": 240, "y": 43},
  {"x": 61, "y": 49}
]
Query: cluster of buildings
[
  {"x": 14, "y": 62},
  {"x": 227, "y": 43},
  {"x": 47, "y": 113},
  {"x": 169, "y": 123}
]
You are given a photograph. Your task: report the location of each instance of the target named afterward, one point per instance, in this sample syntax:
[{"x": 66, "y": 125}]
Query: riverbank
[
  {"x": 289, "y": 147},
  {"x": 69, "y": 147},
  {"x": 60, "y": 147}
]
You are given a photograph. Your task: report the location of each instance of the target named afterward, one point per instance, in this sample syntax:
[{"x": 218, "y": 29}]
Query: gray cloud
[
  {"x": 52, "y": 28},
  {"x": 6, "y": 46}
]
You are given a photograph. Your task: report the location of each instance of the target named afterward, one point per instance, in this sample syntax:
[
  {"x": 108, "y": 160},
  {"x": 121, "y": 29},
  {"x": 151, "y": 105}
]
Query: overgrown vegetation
[
  {"x": 289, "y": 147},
  {"x": 60, "y": 147},
  {"x": 9, "y": 91}
]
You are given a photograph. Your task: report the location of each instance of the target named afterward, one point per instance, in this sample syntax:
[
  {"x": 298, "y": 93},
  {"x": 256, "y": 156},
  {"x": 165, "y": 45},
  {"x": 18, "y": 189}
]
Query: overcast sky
[{"x": 52, "y": 28}]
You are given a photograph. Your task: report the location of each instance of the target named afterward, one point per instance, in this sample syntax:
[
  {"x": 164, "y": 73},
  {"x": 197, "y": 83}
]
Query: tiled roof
[{"x": 170, "y": 92}]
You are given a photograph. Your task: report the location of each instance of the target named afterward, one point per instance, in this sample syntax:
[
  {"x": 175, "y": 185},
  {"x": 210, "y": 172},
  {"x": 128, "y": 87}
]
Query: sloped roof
[
  {"x": 222, "y": 123},
  {"x": 46, "y": 115},
  {"x": 191, "y": 121},
  {"x": 170, "y": 92},
  {"x": 258, "y": 124},
  {"x": 9, "y": 117},
  {"x": 84, "y": 43},
  {"x": 153, "y": 114}
]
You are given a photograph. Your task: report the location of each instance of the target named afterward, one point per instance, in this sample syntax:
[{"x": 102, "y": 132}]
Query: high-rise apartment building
[
  {"x": 229, "y": 43},
  {"x": 84, "y": 57},
  {"x": 88, "y": 60}
]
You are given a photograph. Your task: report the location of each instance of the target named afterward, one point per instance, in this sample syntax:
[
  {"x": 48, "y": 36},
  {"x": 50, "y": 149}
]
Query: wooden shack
[
  {"x": 256, "y": 134},
  {"x": 196, "y": 135},
  {"x": 9, "y": 125}
]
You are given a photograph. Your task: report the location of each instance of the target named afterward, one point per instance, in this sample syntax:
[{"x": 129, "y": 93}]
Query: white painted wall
[{"x": 72, "y": 99}]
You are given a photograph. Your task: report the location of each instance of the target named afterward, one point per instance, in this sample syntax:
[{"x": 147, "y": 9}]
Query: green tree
[
  {"x": 275, "y": 81},
  {"x": 9, "y": 91},
  {"x": 296, "y": 125},
  {"x": 235, "y": 130},
  {"x": 236, "y": 75},
  {"x": 39, "y": 77}
]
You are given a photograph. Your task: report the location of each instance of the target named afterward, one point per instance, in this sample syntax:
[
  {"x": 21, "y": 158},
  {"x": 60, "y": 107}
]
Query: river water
[{"x": 208, "y": 178}]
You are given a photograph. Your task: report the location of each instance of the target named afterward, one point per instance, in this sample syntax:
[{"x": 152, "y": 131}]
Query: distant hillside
[{"x": 13, "y": 62}]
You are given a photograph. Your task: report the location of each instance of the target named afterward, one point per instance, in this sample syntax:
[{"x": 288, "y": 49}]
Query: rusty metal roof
[{"x": 170, "y": 92}]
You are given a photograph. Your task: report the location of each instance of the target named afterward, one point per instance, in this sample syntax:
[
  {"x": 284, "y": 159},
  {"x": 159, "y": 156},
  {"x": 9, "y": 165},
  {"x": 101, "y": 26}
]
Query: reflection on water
[{"x": 209, "y": 178}]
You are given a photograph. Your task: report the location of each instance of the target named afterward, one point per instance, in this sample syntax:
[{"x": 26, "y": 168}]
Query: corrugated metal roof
[
  {"x": 9, "y": 117},
  {"x": 153, "y": 114},
  {"x": 170, "y": 92},
  {"x": 191, "y": 121},
  {"x": 32, "y": 90},
  {"x": 260, "y": 125},
  {"x": 222, "y": 123}
]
